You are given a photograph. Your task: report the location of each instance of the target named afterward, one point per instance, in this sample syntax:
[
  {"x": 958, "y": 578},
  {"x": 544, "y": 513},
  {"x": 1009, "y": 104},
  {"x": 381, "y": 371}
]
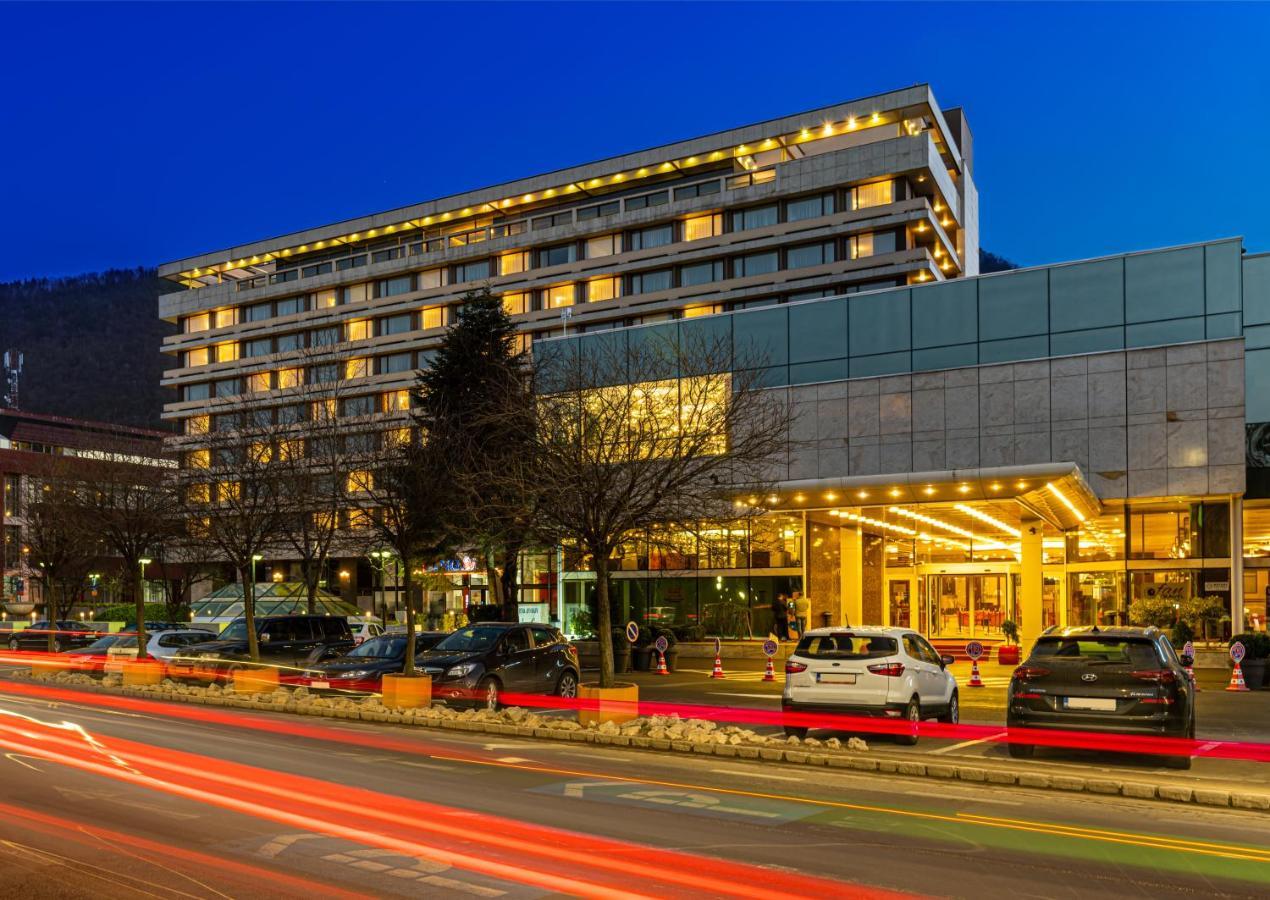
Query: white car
[
  {"x": 364, "y": 629},
  {"x": 871, "y": 671},
  {"x": 159, "y": 645}
]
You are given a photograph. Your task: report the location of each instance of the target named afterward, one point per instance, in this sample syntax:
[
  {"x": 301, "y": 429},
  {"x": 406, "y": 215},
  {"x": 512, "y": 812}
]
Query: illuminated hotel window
[
  {"x": 861, "y": 246},
  {"x": 201, "y": 322},
  {"x": 228, "y": 490},
  {"x": 196, "y": 357},
  {"x": 360, "y": 480},
  {"x": 197, "y": 493},
  {"x": 359, "y": 519},
  {"x": 289, "y": 378},
  {"x": 358, "y": 329},
  {"x": 397, "y": 437},
  {"x": 433, "y": 317},
  {"x": 558, "y": 295},
  {"x": 877, "y": 194},
  {"x": 357, "y": 293},
  {"x": 324, "y": 410},
  {"x": 513, "y": 263},
  {"x": 259, "y": 382},
  {"x": 691, "y": 312},
  {"x": 699, "y": 227},
  {"x": 197, "y": 424},
  {"x": 357, "y": 368},
  {"x": 605, "y": 245},
  {"x": 515, "y": 304},
  {"x": 227, "y": 352},
  {"x": 431, "y": 278},
  {"x": 325, "y": 299},
  {"x": 291, "y": 449},
  {"x": 598, "y": 289},
  {"x": 226, "y": 317},
  {"x": 198, "y": 459},
  {"x": 396, "y": 401}
]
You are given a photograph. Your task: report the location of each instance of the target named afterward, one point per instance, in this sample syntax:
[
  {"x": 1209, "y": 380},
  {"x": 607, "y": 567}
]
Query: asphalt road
[{"x": 143, "y": 805}]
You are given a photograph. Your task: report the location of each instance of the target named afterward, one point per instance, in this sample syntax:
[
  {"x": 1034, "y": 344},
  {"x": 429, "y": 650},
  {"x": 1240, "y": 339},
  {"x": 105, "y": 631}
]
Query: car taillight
[
  {"x": 571, "y": 650},
  {"x": 894, "y": 670},
  {"x": 1156, "y": 676},
  {"x": 1030, "y": 673},
  {"x": 793, "y": 668}
]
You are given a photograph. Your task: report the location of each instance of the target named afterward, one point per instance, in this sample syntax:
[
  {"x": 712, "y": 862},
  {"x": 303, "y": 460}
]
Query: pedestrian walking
[
  {"x": 780, "y": 617},
  {"x": 802, "y": 611}
]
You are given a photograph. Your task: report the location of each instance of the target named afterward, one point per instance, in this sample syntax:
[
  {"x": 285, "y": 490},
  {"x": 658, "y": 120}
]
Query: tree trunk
[
  {"x": 311, "y": 588},
  {"x": 603, "y": 628},
  {"x": 508, "y": 581},
  {"x": 249, "y": 613},
  {"x": 139, "y": 598},
  {"x": 495, "y": 582},
  {"x": 54, "y": 613},
  {"x": 408, "y": 664}
]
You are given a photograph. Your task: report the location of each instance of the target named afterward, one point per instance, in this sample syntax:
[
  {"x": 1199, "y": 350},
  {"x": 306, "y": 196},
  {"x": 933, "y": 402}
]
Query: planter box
[
  {"x": 255, "y": 681},
  {"x": 618, "y": 704},
  {"x": 407, "y": 692},
  {"x": 1008, "y": 655}
]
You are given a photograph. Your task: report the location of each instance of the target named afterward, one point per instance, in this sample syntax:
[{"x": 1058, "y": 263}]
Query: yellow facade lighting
[
  {"x": 1053, "y": 488},
  {"x": 876, "y": 118},
  {"x": 850, "y": 122},
  {"x": 928, "y": 490},
  {"x": 827, "y": 129},
  {"x": 830, "y": 496},
  {"x": 984, "y": 517},
  {"x": 863, "y": 495},
  {"x": 894, "y": 492},
  {"x": 963, "y": 488}
]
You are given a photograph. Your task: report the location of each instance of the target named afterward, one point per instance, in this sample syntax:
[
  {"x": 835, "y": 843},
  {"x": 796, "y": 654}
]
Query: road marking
[
  {"x": 770, "y": 696},
  {"x": 513, "y": 759},
  {"x": 423, "y": 765},
  {"x": 756, "y": 774},
  {"x": 964, "y": 744}
]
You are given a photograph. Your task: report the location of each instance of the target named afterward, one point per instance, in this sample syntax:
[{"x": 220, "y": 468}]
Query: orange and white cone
[
  {"x": 1237, "y": 680},
  {"x": 661, "y": 664},
  {"x": 975, "y": 680},
  {"x": 718, "y": 668},
  {"x": 1190, "y": 673},
  {"x": 770, "y": 673}
]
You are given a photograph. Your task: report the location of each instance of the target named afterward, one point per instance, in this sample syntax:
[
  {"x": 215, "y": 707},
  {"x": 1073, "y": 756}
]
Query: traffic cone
[
  {"x": 718, "y": 667},
  {"x": 661, "y": 664},
  {"x": 1237, "y": 680},
  {"x": 1190, "y": 672},
  {"x": 770, "y": 673},
  {"x": 975, "y": 680}
]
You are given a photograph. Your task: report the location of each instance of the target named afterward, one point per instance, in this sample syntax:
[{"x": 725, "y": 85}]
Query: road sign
[
  {"x": 661, "y": 643},
  {"x": 770, "y": 647},
  {"x": 974, "y": 650},
  {"x": 1237, "y": 651},
  {"x": 1188, "y": 649},
  {"x": 632, "y": 632},
  {"x": 718, "y": 646}
]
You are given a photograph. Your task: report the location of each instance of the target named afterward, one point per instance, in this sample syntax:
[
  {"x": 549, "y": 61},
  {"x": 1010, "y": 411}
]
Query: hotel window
[
  {"x": 360, "y": 480},
  {"x": 350, "y": 262},
  {"x": 289, "y": 342},
  {"x": 324, "y": 337},
  {"x": 357, "y": 293},
  {"x": 227, "y": 352},
  {"x": 431, "y": 278},
  {"x": 472, "y": 271},
  {"x": 558, "y": 256},
  {"x": 292, "y": 448},
  {"x": 869, "y": 195},
  {"x": 809, "y": 255},
  {"x": 227, "y": 491},
  {"x": 394, "y": 363},
  {"x": 197, "y": 424},
  {"x": 201, "y": 322},
  {"x": 515, "y": 304},
  {"x": 703, "y": 189},
  {"x": 399, "y": 324},
  {"x": 699, "y": 227},
  {"x": 701, "y": 273},
  {"x": 258, "y": 347},
  {"x": 358, "y": 329},
  {"x": 661, "y": 198},
  {"x": 598, "y": 289},
  {"x": 357, "y": 406},
  {"x": 289, "y": 378},
  {"x": 359, "y": 519},
  {"x": 397, "y": 437},
  {"x": 432, "y": 317},
  {"x": 604, "y": 245},
  {"x": 657, "y": 236},
  {"x": 396, "y": 401},
  {"x": 197, "y": 493},
  {"x": 196, "y": 357},
  {"x": 648, "y": 282},
  {"x": 289, "y": 307},
  {"x": 357, "y": 368},
  {"x": 259, "y": 312},
  {"x": 691, "y": 312},
  {"x": 513, "y": 263},
  {"x": 757, "y": 217},
  {"x": 562, "y": 218},
  {"x": 809, "y": 208},
  {"x": 259, "y": 382},
  {"x": 228, "y": 387},
  {"x": 290, "y": 415},
  {"x": 324, "y": 374},
  {"x": 360, "y": 443},
  {"x": 587, "y": 213},
  {"x": 393, "y": 287},
  {"x": 225, "y": 317},
  {"x": 558, "y": 295},
  {"x": 198, "y": 459},
  {"x": 865, "y": 245},
  {"x": 324, "y": 410},
  {"x": 757, "y": 264},
  {"x": 325, "y": 299},
  {"x": 195, "y": 391}
]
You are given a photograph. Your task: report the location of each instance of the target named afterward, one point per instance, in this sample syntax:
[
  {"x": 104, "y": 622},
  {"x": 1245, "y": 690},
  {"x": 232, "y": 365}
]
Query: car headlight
[
  {"x": 356, "y": 673},
  {"x": 460, "y": 670}
]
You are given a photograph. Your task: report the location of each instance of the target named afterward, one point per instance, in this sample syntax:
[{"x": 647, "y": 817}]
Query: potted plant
[
  {"x": 1202, "y": 614},
  {"x": 1256, "y": 649},
  {"x": 1008, "y": 655},
  {"x": 642, "y": 652}
]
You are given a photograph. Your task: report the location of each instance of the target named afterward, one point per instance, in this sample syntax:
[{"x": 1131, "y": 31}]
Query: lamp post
[{"x": 255, "y": 558}]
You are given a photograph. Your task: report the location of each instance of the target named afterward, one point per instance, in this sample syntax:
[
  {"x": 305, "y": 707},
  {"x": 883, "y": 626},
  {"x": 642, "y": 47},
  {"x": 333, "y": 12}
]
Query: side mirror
[
  {"x": 1187, "y": 659},
  {"x": 946, "y": 661}
]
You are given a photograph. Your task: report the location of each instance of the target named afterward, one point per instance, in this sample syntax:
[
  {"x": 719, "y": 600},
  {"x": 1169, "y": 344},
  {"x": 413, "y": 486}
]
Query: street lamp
[
  {"x": 379, "y": 561},
  {"x": 255, "y": 558}
]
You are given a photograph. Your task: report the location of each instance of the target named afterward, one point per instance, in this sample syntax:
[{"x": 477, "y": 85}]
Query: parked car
[
  {"x": 163, "y": 645},
  {"x": 363, "y": 668},
  {"x": 1122, "y": 680},
  {"x": 871, "y": 671},
  {"x": 67, "y": 635},
  {"x": 288, "y": 643},
  {"x": 92, "y": 659},
  {"x": 481, "y": 662},
  {"x": 365, "y": 629}
]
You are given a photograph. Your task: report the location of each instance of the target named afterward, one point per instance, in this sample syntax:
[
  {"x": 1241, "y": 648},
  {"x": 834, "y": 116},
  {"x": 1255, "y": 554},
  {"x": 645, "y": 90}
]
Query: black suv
[
  {"x": 67, "y": 635},
  {"x": 1124, "y": 680},
  {"x": 479, "y": 663},
  {"x": 288, "y": 643}
]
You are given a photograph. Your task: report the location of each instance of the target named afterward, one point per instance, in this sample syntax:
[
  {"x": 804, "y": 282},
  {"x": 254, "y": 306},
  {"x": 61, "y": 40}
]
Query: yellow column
[
  {"x": 1031, "y": 582},
  {"x": 851, "y": 547}
]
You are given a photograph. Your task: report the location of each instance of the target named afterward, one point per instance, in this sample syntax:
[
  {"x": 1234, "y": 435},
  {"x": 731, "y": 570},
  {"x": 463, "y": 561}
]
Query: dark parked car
[
  {"x": 288, "y": 643},
  {"x": 67, "y": 635},
  {"x": 1122, "y": 680},
  {"x": 363, "y": 668},
  {"x": 479, "y": 663},
  {"x": 92, "y": 658}
]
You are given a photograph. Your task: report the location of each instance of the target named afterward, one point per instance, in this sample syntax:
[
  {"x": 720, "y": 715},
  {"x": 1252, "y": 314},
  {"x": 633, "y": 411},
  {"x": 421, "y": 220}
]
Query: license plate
[
  {"x": 1100, "y": 703},
  {"x": 319, "y": 684},
  {"x": 835, "y": 678}
]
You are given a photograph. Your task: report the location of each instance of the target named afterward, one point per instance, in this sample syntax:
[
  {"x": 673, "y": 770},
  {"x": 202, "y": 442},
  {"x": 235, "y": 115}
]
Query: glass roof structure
[{"x": 272, "y": 599}]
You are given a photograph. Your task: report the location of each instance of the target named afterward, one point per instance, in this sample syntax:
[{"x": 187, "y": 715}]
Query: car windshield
[
  {"x": 1092, "y": 649},
  {"x": 845, "y": 645},
  {"x": 381, "y": 648},
  {"x": 235, "y": 631},
  {"x": 126, "y": 640},
  {"x": 102, "y": 643},
  {"x": 472, "y": 638}
]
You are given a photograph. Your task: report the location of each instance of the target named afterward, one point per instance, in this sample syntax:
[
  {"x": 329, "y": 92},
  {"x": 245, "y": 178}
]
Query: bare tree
[
  {"x": 180, "y": 562},
  {"x": 636, "y": 431},
  {"x": 62, "y": 548}
]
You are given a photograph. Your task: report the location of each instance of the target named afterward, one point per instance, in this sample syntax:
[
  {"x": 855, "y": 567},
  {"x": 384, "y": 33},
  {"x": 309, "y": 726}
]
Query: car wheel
[
  {"x": 1182, "y": 762},
  {"x": 1021, "y": 751},
  {"x": 794, "y": 731},
  {"x": 13, "y": 643},
  {"x": 952, "y": 715},
  {"x": 487, "y": 694},
  {"x": 567, "y": 686},
  {"x": 913, "y": 715}
]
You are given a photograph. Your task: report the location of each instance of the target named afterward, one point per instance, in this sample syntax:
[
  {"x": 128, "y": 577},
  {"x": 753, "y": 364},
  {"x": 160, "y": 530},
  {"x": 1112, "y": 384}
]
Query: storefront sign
[{"x": 1216, "y": 585}]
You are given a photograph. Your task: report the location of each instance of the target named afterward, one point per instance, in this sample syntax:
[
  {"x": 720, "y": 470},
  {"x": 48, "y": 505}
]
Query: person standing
[
  {"x": 802, "y": 611},
  {"x": 780, "y": 617}
]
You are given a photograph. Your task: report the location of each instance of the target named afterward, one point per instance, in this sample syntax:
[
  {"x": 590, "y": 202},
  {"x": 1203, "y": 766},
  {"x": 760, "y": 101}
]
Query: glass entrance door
[{"x": 967, "y": 606}]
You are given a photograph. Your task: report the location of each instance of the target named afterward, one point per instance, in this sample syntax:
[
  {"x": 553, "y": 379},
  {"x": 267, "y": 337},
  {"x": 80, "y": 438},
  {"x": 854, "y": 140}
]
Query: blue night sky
[{"x": 134, "y": 134}]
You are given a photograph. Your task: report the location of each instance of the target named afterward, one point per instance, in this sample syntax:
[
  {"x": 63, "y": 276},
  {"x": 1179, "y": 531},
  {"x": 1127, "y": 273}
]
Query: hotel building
[{"x": 1040, "y": 446}]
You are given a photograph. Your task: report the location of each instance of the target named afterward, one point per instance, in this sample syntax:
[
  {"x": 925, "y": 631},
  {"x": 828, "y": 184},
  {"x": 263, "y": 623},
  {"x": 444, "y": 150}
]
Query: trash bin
[{"x": 825, "y": 619}]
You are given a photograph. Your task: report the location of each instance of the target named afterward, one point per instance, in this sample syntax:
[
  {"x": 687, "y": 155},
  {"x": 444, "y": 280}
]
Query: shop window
[
  {"x": 1096, "y": 598},
  {"x": 1181, "y": 531}
]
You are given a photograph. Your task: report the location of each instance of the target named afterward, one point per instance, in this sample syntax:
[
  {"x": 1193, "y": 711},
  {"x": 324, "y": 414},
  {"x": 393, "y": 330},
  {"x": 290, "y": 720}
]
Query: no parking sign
[
  {"x": 661, "y": 643},
  {"x": 632, "y": 632},
  {"x": 770, "y": 648},
  {"x": 1237, "y": 651},
  {"x": 974, "y": 650}
]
